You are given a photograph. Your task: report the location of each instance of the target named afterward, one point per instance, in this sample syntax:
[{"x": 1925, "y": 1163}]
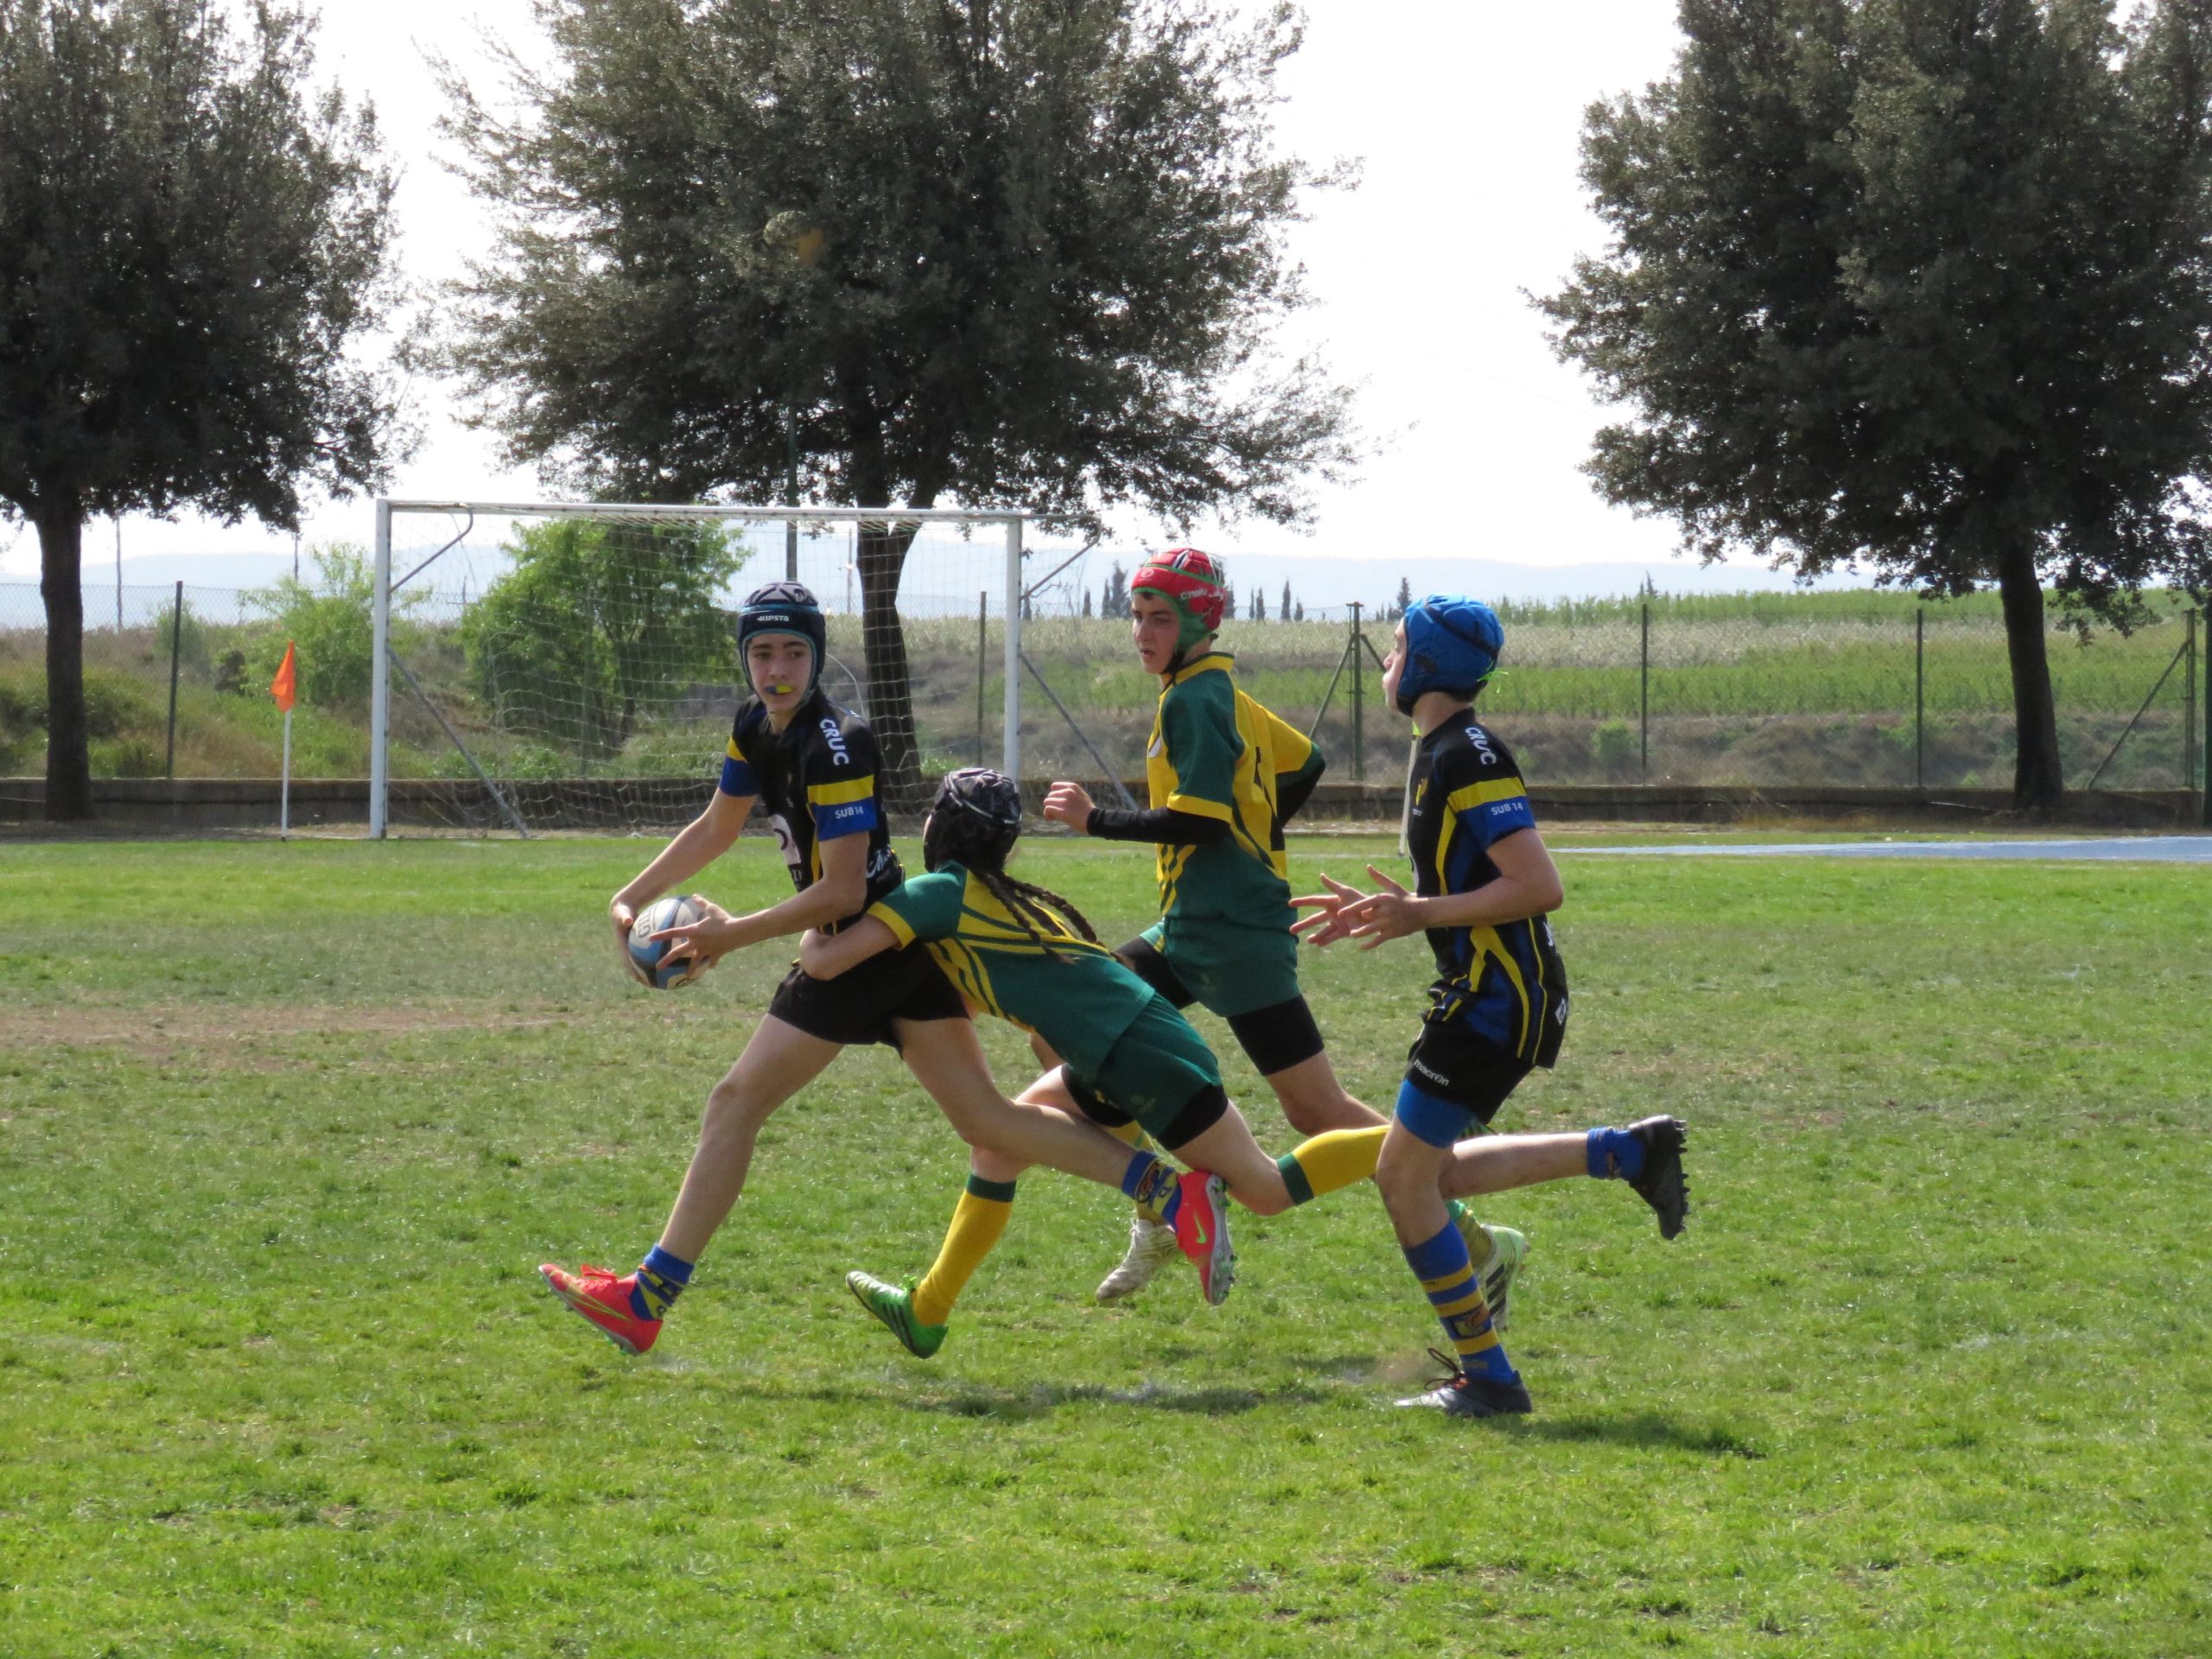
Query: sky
[{"x": 1466, "y": 118}]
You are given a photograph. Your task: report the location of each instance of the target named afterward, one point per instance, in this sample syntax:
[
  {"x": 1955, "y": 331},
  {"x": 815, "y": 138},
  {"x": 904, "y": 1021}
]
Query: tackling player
[
  {"x": 812, "y": 766},
  {"x": 1484, "y": 886},
  {"x": 1029, "y": 957}
]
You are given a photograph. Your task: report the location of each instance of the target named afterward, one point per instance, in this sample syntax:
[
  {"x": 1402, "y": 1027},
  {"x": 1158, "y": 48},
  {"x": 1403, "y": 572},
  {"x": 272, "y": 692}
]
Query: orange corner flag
[{"x": 285, "y": 687}]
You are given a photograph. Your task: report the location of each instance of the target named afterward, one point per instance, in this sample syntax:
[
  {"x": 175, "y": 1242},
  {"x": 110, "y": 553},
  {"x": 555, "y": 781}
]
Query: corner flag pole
[{"x": 285, "y": 689}]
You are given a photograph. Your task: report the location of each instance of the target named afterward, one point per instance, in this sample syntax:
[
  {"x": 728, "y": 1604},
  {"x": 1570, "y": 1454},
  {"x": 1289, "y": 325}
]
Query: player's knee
[
  {"x": 974, "y": 1116},
  {"x": 1313, "y": 1111},
  {"x": 1407, "y": 1170},
  {"x": 1310, "y": 1116},
  {"x": 732, "y": 1106}
]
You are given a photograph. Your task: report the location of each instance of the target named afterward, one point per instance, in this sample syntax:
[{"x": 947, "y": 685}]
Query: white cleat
[
  {"x": 1150, "y": 1248},
  {"x": 1509, "y": 1249}
]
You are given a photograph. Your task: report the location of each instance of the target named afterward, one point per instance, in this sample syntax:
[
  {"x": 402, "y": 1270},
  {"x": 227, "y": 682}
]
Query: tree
[
  {"x": 332, "y": 622},
  {"x": 192, "y": 239},
  {"x": 1086, "y": 604},
  {"x": 1024, "y": 253},
  {"x": 1919, "y": 282},
  {"x": 1115, "y": 602},
  {"x": 1300, "y": 615},
  {"x": 596, "y": 618},
  {"x": 1405, "y": 600},
  {"x": 1282, "y": 611}
]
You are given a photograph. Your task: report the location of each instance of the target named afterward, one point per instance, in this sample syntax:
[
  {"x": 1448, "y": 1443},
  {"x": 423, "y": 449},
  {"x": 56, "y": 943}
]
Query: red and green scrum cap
[{"x": 1194, "y": 583}]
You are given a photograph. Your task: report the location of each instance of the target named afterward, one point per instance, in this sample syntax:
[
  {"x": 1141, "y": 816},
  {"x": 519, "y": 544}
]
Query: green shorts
[
  {"x": 1153, "y": 1072},
  {"x": 1228, "y": 968}
]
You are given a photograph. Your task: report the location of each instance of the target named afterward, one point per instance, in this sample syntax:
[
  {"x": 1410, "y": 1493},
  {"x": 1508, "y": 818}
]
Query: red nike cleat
[
  {"x": 605, "y": 1300},
  {"x": 1202, "y": 1231}
]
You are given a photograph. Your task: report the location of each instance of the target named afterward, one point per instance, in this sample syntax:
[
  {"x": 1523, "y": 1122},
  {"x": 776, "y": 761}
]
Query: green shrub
[
  {"x": 129, "y": 757},
  {"x": 1615, "y": 746},
  {"x": 116, "y": 705},
  {"x": 22, "y": 706}
]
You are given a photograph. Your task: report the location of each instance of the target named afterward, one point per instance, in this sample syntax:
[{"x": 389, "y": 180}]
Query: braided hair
[
  {"x": 974, "y": 822},
  {"x": 1030, "y": 903}
]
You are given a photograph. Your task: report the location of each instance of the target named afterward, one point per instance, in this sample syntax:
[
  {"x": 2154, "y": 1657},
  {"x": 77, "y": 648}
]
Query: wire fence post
[
  {"x": 1358, "y": 743},
  {"x": 176, "y": 646},
  {"x": 1643, "y": 700},
  {"x": 1920, "y": 698},
  {"x": 982, "y": 662},
  {"x": 2188, "y": 703}
]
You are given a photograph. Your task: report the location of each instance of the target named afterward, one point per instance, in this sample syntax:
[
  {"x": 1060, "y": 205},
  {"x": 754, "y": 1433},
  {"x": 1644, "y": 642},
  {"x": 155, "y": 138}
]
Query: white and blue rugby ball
[{"x": 647, "y": 951}]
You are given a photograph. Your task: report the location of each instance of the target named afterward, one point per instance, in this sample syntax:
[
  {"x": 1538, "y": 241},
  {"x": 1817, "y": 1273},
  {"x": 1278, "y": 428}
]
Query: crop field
[
  {"x": 284, "y": 1130},
  {"x": 1775, "y": 689}
]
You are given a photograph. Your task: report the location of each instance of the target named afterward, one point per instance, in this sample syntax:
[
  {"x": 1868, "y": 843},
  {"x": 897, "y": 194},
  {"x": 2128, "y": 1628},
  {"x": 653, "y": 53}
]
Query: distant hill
[{"x": 1320, "y": 582}]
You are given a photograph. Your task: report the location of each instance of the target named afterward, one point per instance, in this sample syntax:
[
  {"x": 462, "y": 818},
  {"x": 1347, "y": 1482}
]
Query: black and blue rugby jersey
[
  {"x": 1505, "y": 983},
  {"x": 817, "y": 781}
]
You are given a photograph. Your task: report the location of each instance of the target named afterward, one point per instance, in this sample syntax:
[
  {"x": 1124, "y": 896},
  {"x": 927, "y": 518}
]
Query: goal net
[{"x": 561, "y": 665}]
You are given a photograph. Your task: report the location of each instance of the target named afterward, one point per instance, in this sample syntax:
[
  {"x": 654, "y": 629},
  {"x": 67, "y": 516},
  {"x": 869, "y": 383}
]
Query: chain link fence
[{"x": 1785, "y": 690}]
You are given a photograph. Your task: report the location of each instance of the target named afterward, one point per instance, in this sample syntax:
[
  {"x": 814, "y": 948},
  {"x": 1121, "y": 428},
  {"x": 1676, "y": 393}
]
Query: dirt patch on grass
[{"x": 159, "y": 1031}]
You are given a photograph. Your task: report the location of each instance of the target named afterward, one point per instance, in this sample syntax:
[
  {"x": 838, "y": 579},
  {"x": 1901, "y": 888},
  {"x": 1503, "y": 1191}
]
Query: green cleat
[{"x": 895, "y": 1305}]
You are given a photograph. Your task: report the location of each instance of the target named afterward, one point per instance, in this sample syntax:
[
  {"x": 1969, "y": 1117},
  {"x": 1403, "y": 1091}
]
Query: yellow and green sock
[
  {"x": 978, "y": 1221},
  {"x": 1330, "y": 1161}
]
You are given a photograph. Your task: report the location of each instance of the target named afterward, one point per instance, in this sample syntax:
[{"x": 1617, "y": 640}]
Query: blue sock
[
  {"x": 661, "y": 1279},
  {"x": 1153, "y": 1185},
  {"x": 1614, "y": 1155},
  {"x": 1448, "y": 1278}
]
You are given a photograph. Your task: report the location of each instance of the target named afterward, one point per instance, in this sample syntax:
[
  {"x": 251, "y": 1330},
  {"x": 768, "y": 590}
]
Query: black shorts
[
  {"x": 1273, "y": 1038},
  {"x": 1453, "y": 1063},
  {"x": 859, "y": 1004},
  {"x": 1197, "y": 1115}
]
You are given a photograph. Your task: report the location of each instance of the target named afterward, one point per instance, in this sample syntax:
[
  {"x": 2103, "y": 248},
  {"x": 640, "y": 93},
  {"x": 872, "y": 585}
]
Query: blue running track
[{"x": 2159, "y": 849}]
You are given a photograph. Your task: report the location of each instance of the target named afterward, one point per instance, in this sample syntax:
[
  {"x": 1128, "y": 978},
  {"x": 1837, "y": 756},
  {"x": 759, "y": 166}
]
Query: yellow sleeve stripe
[
  {"x": 1198, "y": 807},
  {"x": 855, "y": 789},
  {"x": 731, "y": 746},
  {"x": 892, "y": 919},
  {"x": 1475, "y": 795}
]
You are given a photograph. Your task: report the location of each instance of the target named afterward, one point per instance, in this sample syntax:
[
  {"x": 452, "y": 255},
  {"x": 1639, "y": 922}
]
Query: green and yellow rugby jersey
[
  {"x": 1079, "y": 996},
  {"x": 1218, "y": 753}
]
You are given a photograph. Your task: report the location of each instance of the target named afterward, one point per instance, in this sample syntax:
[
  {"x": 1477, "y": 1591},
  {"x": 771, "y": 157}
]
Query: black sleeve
[
  {"x": 1292, "y": 793},
  {"x": 1158, "y": 825}
]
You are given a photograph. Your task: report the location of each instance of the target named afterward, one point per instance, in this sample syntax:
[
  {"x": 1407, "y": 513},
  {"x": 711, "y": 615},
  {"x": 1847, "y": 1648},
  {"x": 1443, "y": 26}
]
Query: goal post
[{"x": 569, "y": 664}]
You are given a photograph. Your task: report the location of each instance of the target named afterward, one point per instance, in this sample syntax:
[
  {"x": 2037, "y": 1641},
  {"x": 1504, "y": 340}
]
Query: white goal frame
[{"x": 1011, "y": 521}]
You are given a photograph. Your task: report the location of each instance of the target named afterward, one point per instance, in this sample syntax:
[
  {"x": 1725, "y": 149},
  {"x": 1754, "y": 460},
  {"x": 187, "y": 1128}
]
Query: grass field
[{"x": 284, "y": 1129}]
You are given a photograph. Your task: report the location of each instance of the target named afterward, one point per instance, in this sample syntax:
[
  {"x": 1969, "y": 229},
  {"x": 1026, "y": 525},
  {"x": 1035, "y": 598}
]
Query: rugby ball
[{"x": 647, "y": 951}]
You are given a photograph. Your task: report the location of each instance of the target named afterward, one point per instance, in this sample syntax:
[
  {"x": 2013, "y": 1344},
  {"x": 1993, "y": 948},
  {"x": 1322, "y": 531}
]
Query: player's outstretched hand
[
  {"x": 625, "y": 917},
  {"x": 1329, "y": 925},
  {"x": 706, "y": 943},
  {"x": 1391, "y": 912},
  {"x": 1069, "y": 803}
]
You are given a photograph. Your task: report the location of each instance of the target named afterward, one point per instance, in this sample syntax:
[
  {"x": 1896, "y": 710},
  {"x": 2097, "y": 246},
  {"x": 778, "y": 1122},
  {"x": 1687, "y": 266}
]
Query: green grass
[{"x": 284, "y": 1129}]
